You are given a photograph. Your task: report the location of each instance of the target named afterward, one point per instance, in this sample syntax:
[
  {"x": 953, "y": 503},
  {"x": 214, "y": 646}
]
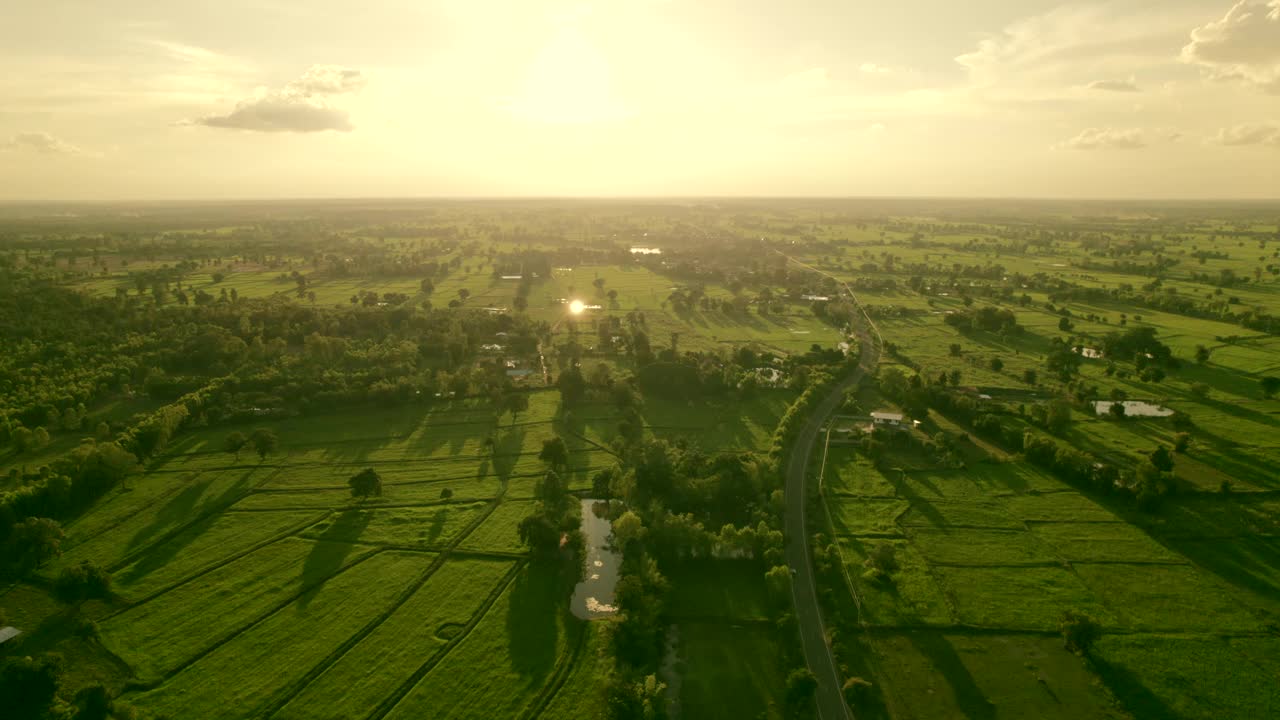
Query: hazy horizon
[{"x": 1130, "y": 99}]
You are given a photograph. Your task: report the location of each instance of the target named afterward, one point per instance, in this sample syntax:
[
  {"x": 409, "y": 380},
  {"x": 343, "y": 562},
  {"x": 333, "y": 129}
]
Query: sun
[{"x": 576, "y": 307}]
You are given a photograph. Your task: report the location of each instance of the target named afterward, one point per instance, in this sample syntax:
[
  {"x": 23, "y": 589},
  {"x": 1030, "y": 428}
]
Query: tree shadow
[
  {"x": 330, "y": 551},
  {"x": 1129, "y": 690},
  {"x": 179, "y": 507},
  {"x": 533, "y": 621},
  {"x": 969, "y": 697}
]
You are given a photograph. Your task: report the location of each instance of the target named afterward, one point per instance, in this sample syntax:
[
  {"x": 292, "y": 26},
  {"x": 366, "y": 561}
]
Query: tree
[
  {"x": 1202, "y": 354},
  {"x": 446, "y": 494},
  {"x": 1065, "y": 325},
  {"x": 554, "y": 453},
  {"x": 1029, "y": 376},
  {"x": 515, "y": 403},
  {"x": 1162, "y": 459},
  {"x": 997, "y": 364},
  {"x": 31, "y": 542},
  {"x": 1270, "y": 385},
  {"x": 539, "y": 533},
  {"x": 463, "y": 294},
  {"x": 94, "y": 702},
  {"x": 234, "y": 443},
  {"x": 1057, "y": 416},
  {"x": 264, "y": 442},
  {"x": 954, "y": 349},
  {"x": 857, "y": 691},
  {"x": 82, "y": 582},
  {"x": 29, "y": 686},
  {"x": 801, "y": 685},
  {"x": 1079, "y": 632},
  {"x": 573, "y": 387},
  {"x": 1117, "y": 410},
  {"x": 1181, "y": 442},
  {"x": 365, "y": 483}
]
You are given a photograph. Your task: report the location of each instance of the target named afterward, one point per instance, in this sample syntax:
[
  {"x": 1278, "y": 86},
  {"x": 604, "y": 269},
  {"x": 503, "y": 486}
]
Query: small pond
[
  {"x": 593, "y": 597},
  {"x": 1133, "y": 408}
]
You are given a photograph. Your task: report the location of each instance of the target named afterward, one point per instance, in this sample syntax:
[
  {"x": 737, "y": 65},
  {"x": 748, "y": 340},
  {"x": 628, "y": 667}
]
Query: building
[
  {"x": 888, "y": 420},
  {"x": 8, "y": 633}
]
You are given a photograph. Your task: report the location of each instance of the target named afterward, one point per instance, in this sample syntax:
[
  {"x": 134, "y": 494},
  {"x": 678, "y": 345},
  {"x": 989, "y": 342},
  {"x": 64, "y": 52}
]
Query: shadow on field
[
  {"x": 1129, "y": 690},
  {"x": 969, "y": 697},
  {"x": 328, "y": 555},
  {"x": 179, "y": 508},
  {"x": 533, "y": 623},
  {"x": 506, "y": 452}
]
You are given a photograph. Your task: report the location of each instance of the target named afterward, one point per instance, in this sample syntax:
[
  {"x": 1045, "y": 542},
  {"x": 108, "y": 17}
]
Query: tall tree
[
  {"x": 264, "y": 442},
  {"x": 365, "y": 483}
]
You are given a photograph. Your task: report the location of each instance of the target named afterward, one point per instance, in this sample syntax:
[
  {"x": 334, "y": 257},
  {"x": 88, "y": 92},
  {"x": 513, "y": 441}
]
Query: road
[{"x": 813, "y": 636}]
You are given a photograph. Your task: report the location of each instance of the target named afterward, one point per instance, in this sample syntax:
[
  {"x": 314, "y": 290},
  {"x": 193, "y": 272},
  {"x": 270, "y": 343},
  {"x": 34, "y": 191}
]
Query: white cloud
[
  {"x": 1250, "y": 134},
  {"x": 1115, "y": 85},
  {"x": 41, "y": 142},
  {"x": 1052, "y": 54},
  {"x": 1244, "y": 45},
  {"x": 302, "y": 105},
  {"x": 1106, "y": 139}
]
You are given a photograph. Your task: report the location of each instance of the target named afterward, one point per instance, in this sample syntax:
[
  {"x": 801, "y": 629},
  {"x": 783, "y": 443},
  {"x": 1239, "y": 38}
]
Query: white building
[{"x": 887, "y": 420}]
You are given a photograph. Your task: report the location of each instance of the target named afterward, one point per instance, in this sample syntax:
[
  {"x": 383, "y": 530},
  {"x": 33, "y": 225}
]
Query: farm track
[
  {"x": 212, "y": 567},
  {"x": 564, "y": 668},
  {"x": 169, "y": 535},
  {"x": 281, "y": 605},
  {"x": 407, "y": 686},
  {"x": 287, "y": 695}
]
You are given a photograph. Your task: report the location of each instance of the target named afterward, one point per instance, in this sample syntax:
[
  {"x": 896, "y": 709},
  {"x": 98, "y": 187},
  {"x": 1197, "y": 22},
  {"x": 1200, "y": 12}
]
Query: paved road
[{"x": 813, "y": 637}]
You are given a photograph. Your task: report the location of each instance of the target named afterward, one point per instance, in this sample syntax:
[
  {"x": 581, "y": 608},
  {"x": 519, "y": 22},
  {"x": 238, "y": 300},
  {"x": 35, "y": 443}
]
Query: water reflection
[{"x": 593, "y": 597}]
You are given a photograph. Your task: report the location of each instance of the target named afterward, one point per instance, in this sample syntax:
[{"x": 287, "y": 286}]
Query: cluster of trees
[
  {"x": 31, "y": 688},
  {"x": 989, "y": 319}
]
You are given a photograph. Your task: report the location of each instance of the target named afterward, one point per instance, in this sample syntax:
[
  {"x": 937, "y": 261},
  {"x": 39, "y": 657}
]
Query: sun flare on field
[{"x": 576, "y": 307}]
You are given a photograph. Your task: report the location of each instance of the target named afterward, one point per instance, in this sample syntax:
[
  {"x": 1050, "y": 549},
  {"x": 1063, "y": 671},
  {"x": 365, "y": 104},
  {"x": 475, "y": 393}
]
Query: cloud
[
  {"x": 1244, "y": 45},
  {"x": 1114, "y": 85},
  {"x": 41, "y": 142},
  {"x": 1249, "y": 134},
  {"x": 302, "y": 105},
  {"x": 1106, "y": 139},
  {"x": 871, "y": 68}
]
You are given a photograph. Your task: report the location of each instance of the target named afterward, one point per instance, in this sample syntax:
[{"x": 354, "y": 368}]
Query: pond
[
  {"x": 1133, "y": 408},
  {"x": 593, "y": 597}
]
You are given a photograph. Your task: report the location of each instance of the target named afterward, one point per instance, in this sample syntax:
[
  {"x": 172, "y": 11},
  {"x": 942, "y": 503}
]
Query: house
[
  {"x": 491, "y": 347},
  {"x": 8, "y": 633},
  {"x": 887, "y": 420},
  {"x": 816, "y": 298}
]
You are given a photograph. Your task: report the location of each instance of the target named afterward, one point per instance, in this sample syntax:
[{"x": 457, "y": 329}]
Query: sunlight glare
[{"x": 576, "y": 307}]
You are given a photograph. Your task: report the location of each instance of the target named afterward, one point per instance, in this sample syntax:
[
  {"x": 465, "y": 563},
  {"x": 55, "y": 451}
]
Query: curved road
[{"x": 813, "y": 636}]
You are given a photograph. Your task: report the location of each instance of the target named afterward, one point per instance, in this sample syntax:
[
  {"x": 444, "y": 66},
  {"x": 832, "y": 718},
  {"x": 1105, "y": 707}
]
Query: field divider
[
  {"x": 410, "y": 682},
  {"x": 287, "y": 694},
  {"x": 286, "y": 602},
  {"x": 214, "y": 566},
  {"x": 564, "y": 668},
  {"x": 183, "y": 527}
]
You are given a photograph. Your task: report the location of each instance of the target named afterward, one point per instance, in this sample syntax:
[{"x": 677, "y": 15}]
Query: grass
[
  {"x": 1189, "y": 678},
  {"x": 584, "y": 688},
  {"x": 720, "y": 589},
  {"x": 1169, "y": 597},
  {"x": 500, "y": 530},
  {"x": 965, "y": 546},
  {"x": 1024, "y": 598},
  {"x": 933, "y": 675},
  {"x": 913, "y": 597},
  {"x": 868, "y": 516},
  {"x": 729, "y": 671},
  {"x": 425, "y": 527},
  {"x": 1106, "y": 542},
  {"x": 231, "y": 682},
  {"x": 414, "y": 636},
  {"x": 503, "y": 663},
  {"x": 158, "y": 636}
]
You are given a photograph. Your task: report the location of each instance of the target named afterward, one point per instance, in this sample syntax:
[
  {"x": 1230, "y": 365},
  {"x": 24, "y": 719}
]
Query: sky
[{"x": 163, "y": 100}]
